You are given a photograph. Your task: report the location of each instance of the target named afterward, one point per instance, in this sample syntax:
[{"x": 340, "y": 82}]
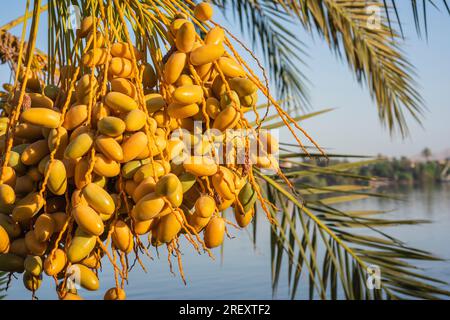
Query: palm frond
[
  {"x": 338, "y": 260},
  {"x": 275, "y": 125},
  {"x": 419, "y": 10},
  {"x": 371, "y": 48},
  {"x": 315, "y": 239},
  {"x": 398, "y": 280}
]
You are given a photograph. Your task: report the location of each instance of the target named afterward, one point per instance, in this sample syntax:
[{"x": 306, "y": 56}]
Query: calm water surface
[{"x": 244, "y": 272}]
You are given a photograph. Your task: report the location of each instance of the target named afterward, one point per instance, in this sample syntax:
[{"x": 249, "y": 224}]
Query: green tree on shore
[{"x": 426, "y": 153}]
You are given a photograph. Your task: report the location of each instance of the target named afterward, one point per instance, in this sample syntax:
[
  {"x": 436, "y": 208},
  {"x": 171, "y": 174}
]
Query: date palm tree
[{"x": 318, "y": 240}]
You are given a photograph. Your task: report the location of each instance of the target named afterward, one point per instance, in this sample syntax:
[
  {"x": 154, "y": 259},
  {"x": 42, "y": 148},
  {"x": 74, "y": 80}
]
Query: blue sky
[{"x": 354, "y": 127}]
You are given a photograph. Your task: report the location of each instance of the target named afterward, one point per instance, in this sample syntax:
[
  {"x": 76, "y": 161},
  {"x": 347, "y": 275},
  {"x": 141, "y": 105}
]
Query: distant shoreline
[{"x": 386, "y": 172}]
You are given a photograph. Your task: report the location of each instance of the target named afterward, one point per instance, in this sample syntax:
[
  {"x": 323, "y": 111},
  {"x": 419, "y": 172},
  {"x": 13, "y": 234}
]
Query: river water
[{"x": 244, "y": 272}]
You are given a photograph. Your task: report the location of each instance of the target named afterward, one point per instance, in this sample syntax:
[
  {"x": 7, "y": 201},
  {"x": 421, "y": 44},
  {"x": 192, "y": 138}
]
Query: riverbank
[{"x": 384, "y": 172}]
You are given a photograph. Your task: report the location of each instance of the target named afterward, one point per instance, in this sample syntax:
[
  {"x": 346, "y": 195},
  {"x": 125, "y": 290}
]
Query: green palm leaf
[
  {"x": 419, "y": 10},
  {"x": 348, "y": 252},
  {"x": 371, "y": 50}
]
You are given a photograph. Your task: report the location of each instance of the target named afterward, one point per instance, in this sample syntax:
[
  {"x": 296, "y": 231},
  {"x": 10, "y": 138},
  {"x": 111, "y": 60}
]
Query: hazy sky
[{"x": 354, "y": 127}]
